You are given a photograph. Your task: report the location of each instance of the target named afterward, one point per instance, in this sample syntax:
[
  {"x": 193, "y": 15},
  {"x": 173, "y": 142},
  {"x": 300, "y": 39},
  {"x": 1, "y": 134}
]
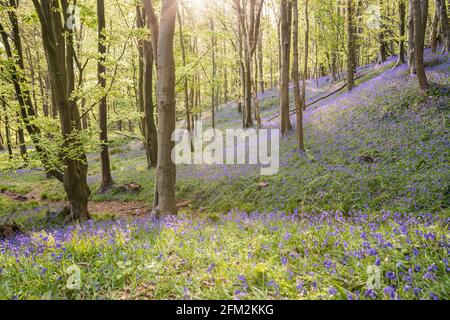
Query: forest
[{"x": 224, "y": 150}]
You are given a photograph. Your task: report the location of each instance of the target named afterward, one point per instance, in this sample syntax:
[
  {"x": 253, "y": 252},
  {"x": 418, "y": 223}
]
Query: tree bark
[
  {"x": 411, "y": 48},
  {"x": 261, "y": 64},
  {"x": 434, "y": 28},
  {"x": 305, "y": 60},
  {"x": 401, "y": 42},
  {"x": 164, "y": 198},
  {"x": 7, "y": 131},
  {"x": 57, "y": 42},
  {"x": 249, "y": 15},
  {"x": 285, "y": 32},
  {"x": 295, "y": 77},
  {"x": 444, "y": 25},
  {"x": 107, "y": 181},
  {"x": 350, "y": 47},
  {"x": 420, "y": 10},
  {"x": 214, "y": 72},
  {"x": 148, "y": 106}
]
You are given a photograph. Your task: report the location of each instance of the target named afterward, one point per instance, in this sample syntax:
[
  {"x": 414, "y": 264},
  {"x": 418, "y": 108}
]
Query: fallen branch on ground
[{"x": 293, "y": 111}]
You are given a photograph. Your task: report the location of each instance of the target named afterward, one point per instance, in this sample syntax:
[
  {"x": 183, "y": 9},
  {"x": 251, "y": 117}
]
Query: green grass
[{"x": 267, "y": 256}]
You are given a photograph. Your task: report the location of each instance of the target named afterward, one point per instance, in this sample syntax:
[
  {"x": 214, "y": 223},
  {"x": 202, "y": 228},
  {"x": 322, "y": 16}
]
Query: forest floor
[{"x": 371, "y": 190}]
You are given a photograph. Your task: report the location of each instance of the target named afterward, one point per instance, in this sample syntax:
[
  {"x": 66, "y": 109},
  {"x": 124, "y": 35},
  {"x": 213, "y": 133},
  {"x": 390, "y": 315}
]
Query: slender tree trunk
[
  {"x": 411, "y": 48},
  {"x": 401, "y": 42},
  {"x": 295, "y": 77},
  {"x": 444, "y": 25},
  {"x": 255, "y": 95},
  {"x": 350, "y": 47},
  {"x": 285, "y": 32},
  {"x": 420, "y": 10},
  {"x": 214, "y": 73},
  {"x": 434, "y": 28},
  {"x": 21, "y": 139},
  {"x": 261, "y": 63},
  {"x": 382, "y": 54},
  {"x": 186, "y": 80},
  {"x": 225, "y": 75},
  {"x": 140, "y": 23},
  {"x": 107, "y": 181},
  {"x": 306, "y": 57},
  {"x": 7, "y": 131},
  {"x": 333, "y": 76},
  {"x": 148, "y": 121},
  {"x": 248, "y": 121}
]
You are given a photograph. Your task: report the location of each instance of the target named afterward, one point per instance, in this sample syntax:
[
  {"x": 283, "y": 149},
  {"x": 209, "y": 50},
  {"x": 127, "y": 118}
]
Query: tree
[
  {"x": 285, "y": 38},
  {"x": 57, "y": 41},
  {"x": 186, "y": 79},
  {"x": 382, "y": 46},
  {"x": 164, "y": 198},
  {"x": 295, "y": 77},
  {"x": 20, "y": 83},
  {"x": 401, "y": 28},
  {"x": 411, "y": 47},
  {"x": 350, "y": 47},
  {"x": 443, "y": 17},
  {"x": 146, "y": 104},
  {"x": 305, "y": 59},
  {"x": 107, "y": 181},
  {"x": 420, "y": 14},
  {"x": 249, "y": 17},
  {"x": 7, "y": 130},
  {"x": 435, "y": 25},
  {"x": 214, "y": 71}
]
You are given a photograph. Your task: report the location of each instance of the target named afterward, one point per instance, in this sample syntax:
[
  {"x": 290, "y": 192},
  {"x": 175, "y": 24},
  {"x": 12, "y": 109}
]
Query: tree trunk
[
  {"x": 434, "y": 30},
  {"x": 260, "y": 64},
  {"x": 411, "y": 49},
  {"x": 148, "y": 106},
  {"x": 285, "y": 39},
  {"x": 305, "y": 62},
  {"x": 7, "y": 131},
  {"x": 401, "y": 42},
  {"x": 165, "y": 200},
  {"x": 295, "y": 77},
  {"x": 107, "y": 181},
  {"x": 255, "y": 95},
  {"x": 21, "y": 139},
  {"x": 420, "y": 10},
  {"x": 350, "y": 47},
  {"x": 444, "y": 25},
  {"x": 214, "y": 71},
  {"x": 59, "y": 51}
]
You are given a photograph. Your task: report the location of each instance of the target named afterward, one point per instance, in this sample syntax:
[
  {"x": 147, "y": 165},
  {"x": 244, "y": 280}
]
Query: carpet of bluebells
[
  {"x": 322, "y": 255},
  {"x": 328, "y": 226}
]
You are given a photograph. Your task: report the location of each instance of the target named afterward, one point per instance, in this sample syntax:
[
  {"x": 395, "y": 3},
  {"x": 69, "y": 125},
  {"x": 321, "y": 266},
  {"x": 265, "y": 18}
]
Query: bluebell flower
[
  {"x": 211, "y": 266},
  {"x": 390, "y": 275},
  {"x": 428, "y": 276},
  {"x": 390, "y": 291},
  {"x": 417, "y": 291},
  {"x": 434, "y": 296},
  {"x": 370, "y": 293},
  {"x": 433, "y": 268}
]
